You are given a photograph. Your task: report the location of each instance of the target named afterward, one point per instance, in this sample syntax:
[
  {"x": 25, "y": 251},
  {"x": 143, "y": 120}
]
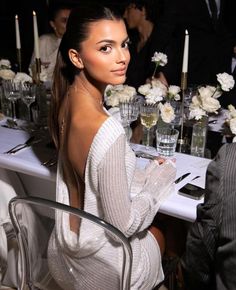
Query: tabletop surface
[{"x": 29, "y": 161}]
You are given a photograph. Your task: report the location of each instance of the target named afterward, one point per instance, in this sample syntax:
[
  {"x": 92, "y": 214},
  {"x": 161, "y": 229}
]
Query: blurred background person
[
  {"x": 49, "y": 43},
  {"x": 147, "y": 35}
]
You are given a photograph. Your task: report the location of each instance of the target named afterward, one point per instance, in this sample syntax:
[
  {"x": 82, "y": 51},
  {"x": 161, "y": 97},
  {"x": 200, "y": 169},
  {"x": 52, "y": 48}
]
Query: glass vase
[{"x": 199, "y": 135}]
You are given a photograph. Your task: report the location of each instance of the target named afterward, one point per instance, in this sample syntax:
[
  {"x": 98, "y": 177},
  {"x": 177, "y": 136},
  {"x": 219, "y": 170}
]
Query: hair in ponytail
[{"x": 64, "y": 73}]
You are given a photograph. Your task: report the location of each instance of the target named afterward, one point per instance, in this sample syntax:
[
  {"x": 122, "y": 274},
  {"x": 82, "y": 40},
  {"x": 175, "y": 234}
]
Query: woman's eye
[
  {"x": 105, "y": 49},
  {"x": 126, "y": 44}
]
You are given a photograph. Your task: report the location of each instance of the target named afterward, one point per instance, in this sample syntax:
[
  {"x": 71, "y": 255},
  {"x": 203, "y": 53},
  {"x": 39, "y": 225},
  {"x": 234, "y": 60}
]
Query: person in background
[
  {"x": 147, "y": 35},
  {"x": 210, "y": 258},
  {"x": 97, "y": 169},
  {"x": 211, "y": 41},
  {"x": 49, "y": 43}
]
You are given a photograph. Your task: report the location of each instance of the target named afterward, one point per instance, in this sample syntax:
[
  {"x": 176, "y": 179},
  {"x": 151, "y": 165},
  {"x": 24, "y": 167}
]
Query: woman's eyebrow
[{"x": 112, "y": 41}]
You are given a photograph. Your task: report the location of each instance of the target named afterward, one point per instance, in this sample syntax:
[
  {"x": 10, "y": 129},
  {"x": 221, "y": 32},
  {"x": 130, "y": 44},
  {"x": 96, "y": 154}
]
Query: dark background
[{"x": 24, "y": 8}]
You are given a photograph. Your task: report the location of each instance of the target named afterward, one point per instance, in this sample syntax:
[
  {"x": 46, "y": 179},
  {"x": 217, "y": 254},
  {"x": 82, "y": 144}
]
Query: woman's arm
[{"x": 134, "y": 215}]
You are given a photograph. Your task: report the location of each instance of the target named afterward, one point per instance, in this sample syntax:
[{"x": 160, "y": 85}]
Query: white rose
[
  {"x": 209, "y": 91},
  {"x": 130, "y": 91},
  {"x": 118, "y": 87},
  {"x": 167, "y": 112},
  {"x": 160, "y": 58},
  {"x": 232, "y": 125},
  {"x": 112, "y": 101},
  {"x": 173, "y": 90},
  {"x": 22, "y": 78},
  {"x": 232, "y": 111},
  {"x": 196, "y": 102},
  {"x": 144, "y": 89},
  {"x": 197, "y": 113},
  {"x": 154, "y": 96},
  {"x": 7, "y": 74},
  {"x": 226, "y": 81},
  {"x": 210, "y": 105},
  {"x": 158, "y": 84},
  {"x": 5, "y": 63}
]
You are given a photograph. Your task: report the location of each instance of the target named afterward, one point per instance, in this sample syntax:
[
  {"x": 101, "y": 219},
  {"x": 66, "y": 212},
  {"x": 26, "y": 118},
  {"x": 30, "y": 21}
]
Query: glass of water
[{"x": 166, "y": 140}]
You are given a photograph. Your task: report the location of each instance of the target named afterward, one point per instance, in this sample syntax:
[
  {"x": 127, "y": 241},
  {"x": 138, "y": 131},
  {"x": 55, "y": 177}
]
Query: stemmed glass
[
  {"x": 129, "y": 111},
  {"x": 12, "y": 91},
  {"x": 149, "y": 116},
  {"x": 28, "y": 96}
]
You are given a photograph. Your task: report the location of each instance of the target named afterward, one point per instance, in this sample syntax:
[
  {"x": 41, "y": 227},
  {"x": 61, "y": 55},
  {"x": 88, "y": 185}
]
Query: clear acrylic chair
[{"x": 35, "y": 221}]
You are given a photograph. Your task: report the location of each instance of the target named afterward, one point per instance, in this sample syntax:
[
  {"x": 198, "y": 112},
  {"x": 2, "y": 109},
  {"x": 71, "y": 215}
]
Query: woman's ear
[
  {"x": 75, "y": 58},
  {"x": 52, "y": 25}
]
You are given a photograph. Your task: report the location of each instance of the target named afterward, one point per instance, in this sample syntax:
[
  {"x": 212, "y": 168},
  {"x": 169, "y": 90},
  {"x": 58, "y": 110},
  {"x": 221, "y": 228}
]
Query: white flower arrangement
[
  {"x": 157, "y": 92},
  {"x": 160, "y": 59},
  {"x": 7, "y": 74},
  {"x": 5, "y": 70},
  {"x": 167, "y": 112},
  {"x": 226, "y": 81},
  {"x": 205, "y": 101},
  {"x": 231, "y": 120},
  {"x": 22, "y": 78},
  {"x": 118, "y": 93},
  {"x": 5, "y": 64}
]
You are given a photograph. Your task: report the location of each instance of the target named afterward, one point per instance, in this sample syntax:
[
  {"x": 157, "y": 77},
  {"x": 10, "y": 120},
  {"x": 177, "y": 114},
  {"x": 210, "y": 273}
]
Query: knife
[{"x": 182, "y": 177}]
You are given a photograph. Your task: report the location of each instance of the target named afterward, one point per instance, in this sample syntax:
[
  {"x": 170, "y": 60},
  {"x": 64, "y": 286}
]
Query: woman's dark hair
[
  {"x": 76, "y": 32},
  {"x": 154, "y": 8}
]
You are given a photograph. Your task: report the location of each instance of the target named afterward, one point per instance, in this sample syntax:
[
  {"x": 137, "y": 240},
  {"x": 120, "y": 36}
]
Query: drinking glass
[
  {"x": 149, "y": 116},
  {"x": 12, "y": 91},
  {"x": 166, "y": 140},
  {"x": 28, "y": 96},
  {"x": 129, "y": 111}
]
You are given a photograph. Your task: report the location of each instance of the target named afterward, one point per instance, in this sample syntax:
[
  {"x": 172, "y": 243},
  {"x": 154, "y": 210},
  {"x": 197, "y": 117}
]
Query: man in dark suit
[
  {"x": 210, "y": 41},
  {"x": 210, "y": 258}
]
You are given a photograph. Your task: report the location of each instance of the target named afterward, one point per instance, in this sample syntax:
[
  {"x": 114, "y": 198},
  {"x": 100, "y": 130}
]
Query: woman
[
  {"x": 49, "y": 43},
  {"x": 96, "y": 168},
  {"x": 147, "y": 36}
]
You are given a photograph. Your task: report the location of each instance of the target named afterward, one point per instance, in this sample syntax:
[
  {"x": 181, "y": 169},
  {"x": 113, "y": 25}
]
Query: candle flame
[
  {"x": 16, "y": 16},
  {"x": 34, "y": 13},
  {"x": 186, "y": 32}
]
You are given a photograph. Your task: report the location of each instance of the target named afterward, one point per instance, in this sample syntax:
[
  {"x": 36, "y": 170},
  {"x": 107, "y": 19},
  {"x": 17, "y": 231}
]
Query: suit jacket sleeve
[{"x": 198, "y": 262}]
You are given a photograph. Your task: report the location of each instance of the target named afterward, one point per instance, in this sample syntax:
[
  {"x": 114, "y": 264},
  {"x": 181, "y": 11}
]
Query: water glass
[
  {"x": 166, "y": 140},
  {"x": 199, "y": 135},
  {"x": 12, "y": 91},
  {"x": 129, "y": 111}
]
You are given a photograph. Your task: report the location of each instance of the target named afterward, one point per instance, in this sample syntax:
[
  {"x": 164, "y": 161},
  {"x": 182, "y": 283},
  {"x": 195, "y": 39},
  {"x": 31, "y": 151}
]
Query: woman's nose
[{"x": 122, "y": 55}]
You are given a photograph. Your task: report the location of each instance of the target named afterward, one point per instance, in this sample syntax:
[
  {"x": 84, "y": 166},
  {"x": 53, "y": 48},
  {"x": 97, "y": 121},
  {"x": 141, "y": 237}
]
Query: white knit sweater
[{"x": 109, "y": 175}]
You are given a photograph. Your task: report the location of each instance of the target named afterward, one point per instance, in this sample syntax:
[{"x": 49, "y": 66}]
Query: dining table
[{"x": 39, "y": 179}]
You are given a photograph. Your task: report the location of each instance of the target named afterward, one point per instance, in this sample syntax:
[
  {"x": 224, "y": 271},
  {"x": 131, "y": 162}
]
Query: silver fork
[
  {"x": 50, "y": 162},
  {"x": 20, "y": 145}
]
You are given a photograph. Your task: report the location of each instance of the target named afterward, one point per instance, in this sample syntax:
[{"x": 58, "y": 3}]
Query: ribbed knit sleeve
[{"x": 128, "y": 215}]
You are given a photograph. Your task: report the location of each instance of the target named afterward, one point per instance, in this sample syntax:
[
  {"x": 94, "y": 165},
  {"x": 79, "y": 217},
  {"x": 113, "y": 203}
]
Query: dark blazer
[
  {"x": 210, "y": 46},
  {"x": 210, "y": 258}
]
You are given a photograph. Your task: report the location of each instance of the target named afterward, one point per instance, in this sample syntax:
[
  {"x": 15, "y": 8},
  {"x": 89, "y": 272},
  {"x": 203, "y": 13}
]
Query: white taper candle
[
  {"x": 186, "y": 50},
  {"x": 18, "y": 44},
  {"x": 36, "y": 36}
]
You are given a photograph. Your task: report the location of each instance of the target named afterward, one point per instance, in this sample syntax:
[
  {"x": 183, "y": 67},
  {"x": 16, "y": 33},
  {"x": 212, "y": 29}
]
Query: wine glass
[
  {"x": 12, "y": 91},
  {"x": 28, "y": 96},
  {"x": 149, "y": 116},
  {"x": 129, "y": 111}
]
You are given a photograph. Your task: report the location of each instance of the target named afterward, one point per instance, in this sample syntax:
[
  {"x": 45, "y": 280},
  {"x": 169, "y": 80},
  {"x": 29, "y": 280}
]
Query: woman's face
[
  {"x": 105, "y": 53},
  {"x": 132, "y": 15},
  {"x": 59, "y": 23}
]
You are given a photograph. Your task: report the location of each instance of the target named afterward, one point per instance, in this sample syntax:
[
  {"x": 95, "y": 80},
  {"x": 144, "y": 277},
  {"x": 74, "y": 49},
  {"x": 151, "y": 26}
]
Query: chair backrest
[{"x": 62, "y": 247}]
